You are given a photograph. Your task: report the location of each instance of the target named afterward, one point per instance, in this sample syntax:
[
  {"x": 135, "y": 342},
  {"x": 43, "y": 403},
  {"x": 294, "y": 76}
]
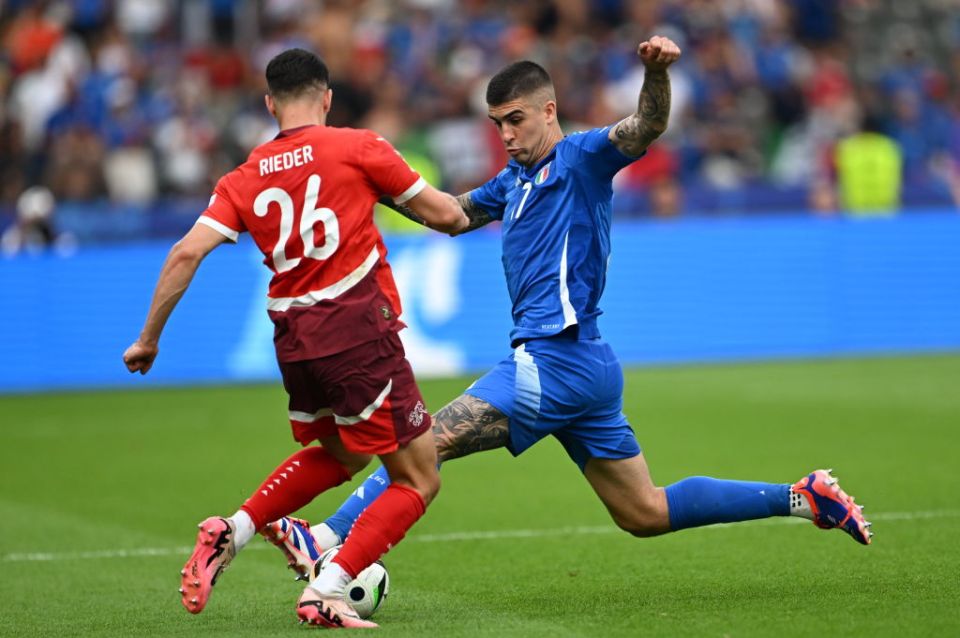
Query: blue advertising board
[{"x": 682, "y": 291}]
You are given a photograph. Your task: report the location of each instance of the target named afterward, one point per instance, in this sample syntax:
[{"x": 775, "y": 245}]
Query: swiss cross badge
[{"x": 416, "y": 415}]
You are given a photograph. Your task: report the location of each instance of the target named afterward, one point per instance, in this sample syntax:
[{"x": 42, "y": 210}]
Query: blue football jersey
[{"x": 556, "y": 233}]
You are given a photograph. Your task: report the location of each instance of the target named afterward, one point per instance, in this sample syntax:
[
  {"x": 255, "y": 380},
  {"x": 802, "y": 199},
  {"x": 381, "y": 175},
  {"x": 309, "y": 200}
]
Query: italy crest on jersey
[{"x": 542, "y": 175}]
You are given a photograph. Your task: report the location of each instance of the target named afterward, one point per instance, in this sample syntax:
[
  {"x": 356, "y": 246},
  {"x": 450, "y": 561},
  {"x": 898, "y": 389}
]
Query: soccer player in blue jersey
[{"x": 562, "y": 379}]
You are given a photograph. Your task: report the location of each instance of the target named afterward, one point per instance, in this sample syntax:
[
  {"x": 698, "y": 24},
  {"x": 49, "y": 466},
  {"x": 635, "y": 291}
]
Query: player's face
[{"x": 523, "y": 125}]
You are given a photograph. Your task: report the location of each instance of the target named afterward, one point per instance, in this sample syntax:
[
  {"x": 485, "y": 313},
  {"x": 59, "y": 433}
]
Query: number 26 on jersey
[{"x": 308, "y": 219}]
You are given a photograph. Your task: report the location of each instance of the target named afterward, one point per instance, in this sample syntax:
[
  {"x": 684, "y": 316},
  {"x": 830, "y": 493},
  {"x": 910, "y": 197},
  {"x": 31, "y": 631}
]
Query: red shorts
[{"x": 366, "y": 394}]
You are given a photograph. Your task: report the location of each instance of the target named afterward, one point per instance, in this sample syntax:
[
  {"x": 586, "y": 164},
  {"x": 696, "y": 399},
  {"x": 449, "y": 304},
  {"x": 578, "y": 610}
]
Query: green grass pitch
[{"x": 101, "y": 491}]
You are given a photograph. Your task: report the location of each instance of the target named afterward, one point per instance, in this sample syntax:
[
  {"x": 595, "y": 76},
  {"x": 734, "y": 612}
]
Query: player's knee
[
  {"x": 359, "y": 464},
  {"x": 646, "y": 518},
  {"x": 431, "y": 488},
  {"x": 639, "y": 525},
  {"x": 426, "y": 484},
  {"x": 354, "y": 463}
]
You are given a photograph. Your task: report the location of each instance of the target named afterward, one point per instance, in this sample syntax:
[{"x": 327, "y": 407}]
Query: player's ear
[
  {"x": 327, "y": 101},
  {"x": 271, "y": 104},
  {"x": 550, "y": 111}
]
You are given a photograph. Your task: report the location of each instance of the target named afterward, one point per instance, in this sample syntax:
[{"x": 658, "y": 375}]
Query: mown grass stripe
[{"x": 446, "y": 537}]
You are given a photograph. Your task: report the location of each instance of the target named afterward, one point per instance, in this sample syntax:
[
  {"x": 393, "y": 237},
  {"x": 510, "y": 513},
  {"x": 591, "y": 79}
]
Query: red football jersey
[{"x": 307, "y": 198}]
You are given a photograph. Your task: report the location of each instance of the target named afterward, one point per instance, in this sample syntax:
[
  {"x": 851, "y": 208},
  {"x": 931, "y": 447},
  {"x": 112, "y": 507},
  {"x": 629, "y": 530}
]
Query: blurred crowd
[{"x": 128, "y": 101}]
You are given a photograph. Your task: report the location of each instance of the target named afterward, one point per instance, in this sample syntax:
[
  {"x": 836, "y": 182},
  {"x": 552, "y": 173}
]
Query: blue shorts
[{"x": 568, "y": 388}]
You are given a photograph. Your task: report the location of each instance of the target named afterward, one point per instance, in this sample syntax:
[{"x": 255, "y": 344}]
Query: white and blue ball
[{"x": 367, "y": 591}]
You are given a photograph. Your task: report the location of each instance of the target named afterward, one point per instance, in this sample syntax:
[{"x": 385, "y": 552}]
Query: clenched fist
[
  {"x": 139, "y": 357},
  {"x": 658, "y": 53}
]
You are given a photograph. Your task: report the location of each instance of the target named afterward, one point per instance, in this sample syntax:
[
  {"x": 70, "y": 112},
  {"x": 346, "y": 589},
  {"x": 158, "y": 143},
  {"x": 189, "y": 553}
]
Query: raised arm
[
  {"x": 475, "y": 216},
  {"x": 636, "y": 132},
  {"x": 175, "y": 276}
]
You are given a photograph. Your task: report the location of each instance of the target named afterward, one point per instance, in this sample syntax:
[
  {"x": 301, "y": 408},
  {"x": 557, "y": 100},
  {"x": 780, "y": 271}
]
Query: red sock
[
  {"x": 296, "y": 482},
  {"x": 380, "y": 527}
]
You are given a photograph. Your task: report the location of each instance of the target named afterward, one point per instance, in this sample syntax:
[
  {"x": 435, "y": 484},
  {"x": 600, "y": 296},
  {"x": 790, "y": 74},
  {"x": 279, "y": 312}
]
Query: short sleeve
[
  {"x": 221, "y": 214},
  {"x": 491, "y": 196},
  {"x": 596, "y": 154},
  {"x": 387, "y": 170}
]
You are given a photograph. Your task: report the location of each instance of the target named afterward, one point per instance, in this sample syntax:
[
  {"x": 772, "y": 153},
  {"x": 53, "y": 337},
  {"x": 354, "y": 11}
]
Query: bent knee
[
  {"x": 354, "y": 463},
  {"x": 426, "y": 484},
  {"x": 428, "y": 487},
  {"x": 645, "y": 519},
  {"x": 640, "y": 527},
  {"x": 431, "y": 489}
]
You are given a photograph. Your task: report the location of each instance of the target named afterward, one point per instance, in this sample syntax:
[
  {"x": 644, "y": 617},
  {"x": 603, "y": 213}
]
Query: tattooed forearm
[
  {"x": 477, "y": 216},
  {"x": 635, "y": 133},
  {"x": 467, "y": 425},
  {"x": 403, "y": 209}
]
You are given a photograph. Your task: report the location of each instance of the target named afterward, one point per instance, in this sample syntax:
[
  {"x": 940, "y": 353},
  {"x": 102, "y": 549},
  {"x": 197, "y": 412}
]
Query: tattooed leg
[{"x": 467, "y": 425}]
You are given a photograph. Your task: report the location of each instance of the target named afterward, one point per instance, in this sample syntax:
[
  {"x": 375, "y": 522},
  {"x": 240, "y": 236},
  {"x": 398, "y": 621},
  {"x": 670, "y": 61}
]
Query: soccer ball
[{"x": 367, "y": 591}]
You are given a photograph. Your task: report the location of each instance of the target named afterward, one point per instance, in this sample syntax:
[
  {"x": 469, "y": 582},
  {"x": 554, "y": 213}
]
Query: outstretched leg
[
  {"x": 643, "y": 509},
  {"x": 634, "y": 502}
]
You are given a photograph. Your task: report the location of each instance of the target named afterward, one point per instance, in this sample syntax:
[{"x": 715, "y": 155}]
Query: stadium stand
[{"x": 129, "y": 111}]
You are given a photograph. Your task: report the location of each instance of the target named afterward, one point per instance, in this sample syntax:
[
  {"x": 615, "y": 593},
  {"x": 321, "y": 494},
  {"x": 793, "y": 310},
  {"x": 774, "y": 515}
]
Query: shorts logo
[
  {"x": 385, "y": 312},
  {"x": 416, "y": 415}
]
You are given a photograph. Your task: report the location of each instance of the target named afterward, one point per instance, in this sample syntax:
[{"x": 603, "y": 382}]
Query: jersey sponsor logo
[
  {"x": 286, "y": 160},
  {"x": 542, "y": 175}
]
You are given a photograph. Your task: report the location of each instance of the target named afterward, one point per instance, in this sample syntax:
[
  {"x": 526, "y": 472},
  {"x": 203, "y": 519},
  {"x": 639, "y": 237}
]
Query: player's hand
[
  {"x": 658, "y": 53},
  {"x": 139, "y": 357}
]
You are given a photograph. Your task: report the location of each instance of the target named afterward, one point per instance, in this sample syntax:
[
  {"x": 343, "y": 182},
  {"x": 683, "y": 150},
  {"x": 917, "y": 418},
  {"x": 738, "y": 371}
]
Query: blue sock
[
  {"x": 343, "y": 519},
  {"x": 700, "y": 500}
]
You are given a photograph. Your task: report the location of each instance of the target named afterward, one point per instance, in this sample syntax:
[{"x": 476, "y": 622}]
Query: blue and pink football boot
[
  {"x": 292, "y": 536},
  {"x": 831, "y": 506}
]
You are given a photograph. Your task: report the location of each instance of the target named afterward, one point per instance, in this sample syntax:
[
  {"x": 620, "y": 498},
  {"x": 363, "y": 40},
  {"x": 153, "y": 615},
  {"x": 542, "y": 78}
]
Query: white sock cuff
[
  {"x": 325, "y": 536},
  {"x": 245, "y": 529},
  {"x": 331, "y": 581},
  {"x": 799, "y": 506}
]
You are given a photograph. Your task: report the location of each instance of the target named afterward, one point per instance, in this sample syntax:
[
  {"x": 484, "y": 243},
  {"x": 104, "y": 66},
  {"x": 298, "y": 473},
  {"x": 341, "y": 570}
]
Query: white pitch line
[{"x": 21, "y": 557}]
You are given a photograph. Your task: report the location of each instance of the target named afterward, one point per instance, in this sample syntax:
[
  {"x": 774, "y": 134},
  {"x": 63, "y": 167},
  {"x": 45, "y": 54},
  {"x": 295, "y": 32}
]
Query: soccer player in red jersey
[{"x": 307, "y": 199}]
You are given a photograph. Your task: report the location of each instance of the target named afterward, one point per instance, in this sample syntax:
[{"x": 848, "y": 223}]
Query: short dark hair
[
  {"x": 294, "y": 71},
  {"x": 516, "y": 80}
]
